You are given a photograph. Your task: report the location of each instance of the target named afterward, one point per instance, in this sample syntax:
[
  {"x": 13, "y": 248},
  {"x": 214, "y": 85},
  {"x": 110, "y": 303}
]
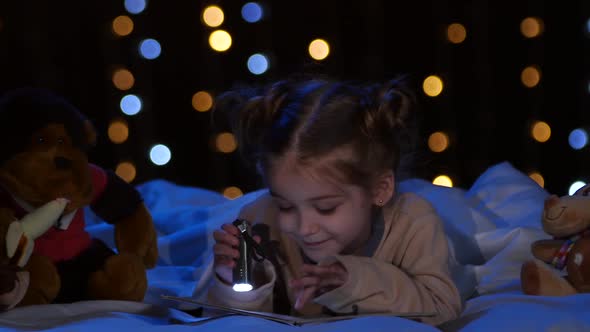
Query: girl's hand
[
  {"x": 316, "y": 281},
  {"x": 226, "y": 251}
]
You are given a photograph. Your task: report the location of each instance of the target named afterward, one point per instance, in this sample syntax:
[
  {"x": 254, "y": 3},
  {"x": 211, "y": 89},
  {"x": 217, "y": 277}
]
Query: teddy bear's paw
[
  {"x": 123, "y": 277},
  {"x": 529, "y": 278},
  {"x": 44, "y": 281},
  {"x": 537, "y": 278}
]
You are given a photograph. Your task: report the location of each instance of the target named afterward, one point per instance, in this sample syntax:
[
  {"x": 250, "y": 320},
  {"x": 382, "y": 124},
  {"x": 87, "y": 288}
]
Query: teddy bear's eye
[
  {"x": 60, "y": 140},
  {"x": 40, "y": 139}
]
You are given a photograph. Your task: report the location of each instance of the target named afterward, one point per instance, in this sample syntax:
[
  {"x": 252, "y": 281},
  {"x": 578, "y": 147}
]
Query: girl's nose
[{"x": 307, "y": 226}]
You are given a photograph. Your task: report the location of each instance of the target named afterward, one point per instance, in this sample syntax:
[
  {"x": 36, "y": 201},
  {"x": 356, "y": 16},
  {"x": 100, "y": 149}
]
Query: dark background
[{"x": 69, "y": 46}]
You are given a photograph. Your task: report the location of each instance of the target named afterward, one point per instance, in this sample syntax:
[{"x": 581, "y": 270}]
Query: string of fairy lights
[{"x": 220, "y": 40}]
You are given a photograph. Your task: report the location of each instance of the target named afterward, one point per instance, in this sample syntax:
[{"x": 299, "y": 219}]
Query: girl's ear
[{"x": 384, "y": 188}]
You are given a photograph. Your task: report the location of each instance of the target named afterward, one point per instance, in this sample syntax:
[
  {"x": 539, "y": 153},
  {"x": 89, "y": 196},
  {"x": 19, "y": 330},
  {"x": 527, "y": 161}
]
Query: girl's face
[{"x": 323, "y": 216}]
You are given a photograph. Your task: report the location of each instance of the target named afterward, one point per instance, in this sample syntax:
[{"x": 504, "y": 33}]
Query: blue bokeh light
[
  {"x": 160, "y": 154},
  {"x": 150, "y": 49},
  {"x": 578, "y": 138},
  {"x": 130, "y": 104},
  {"x": 252, "y": 12},
  {"x": 135, "y": 6},
  {"x": 257, "y": 64}
]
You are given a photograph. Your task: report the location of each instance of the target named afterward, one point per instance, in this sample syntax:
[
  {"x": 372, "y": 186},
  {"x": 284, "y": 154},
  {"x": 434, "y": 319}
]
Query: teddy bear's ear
[{"x": 90, "y": 133}]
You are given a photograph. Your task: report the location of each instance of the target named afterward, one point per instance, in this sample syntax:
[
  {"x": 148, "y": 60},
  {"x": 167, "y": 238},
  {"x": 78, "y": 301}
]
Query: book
[{"x": 292, "y": 320}]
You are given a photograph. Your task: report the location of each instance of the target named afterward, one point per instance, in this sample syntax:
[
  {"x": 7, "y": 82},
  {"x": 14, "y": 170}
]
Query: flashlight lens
[{"x": 242, "y": 287}]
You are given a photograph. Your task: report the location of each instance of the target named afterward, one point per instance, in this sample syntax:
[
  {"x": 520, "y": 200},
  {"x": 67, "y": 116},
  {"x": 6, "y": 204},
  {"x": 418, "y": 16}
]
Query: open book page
[{"x": 291, "y": 320}]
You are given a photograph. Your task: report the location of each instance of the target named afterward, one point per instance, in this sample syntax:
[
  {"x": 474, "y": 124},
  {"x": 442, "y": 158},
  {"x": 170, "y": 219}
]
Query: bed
[{"x": 490, "y": 227}]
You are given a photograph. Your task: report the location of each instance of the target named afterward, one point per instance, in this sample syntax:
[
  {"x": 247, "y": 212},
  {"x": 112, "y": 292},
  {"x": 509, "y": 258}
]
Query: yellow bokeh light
[
  {"x": 438, "y": 141},
  {"x": 456, "y": 33},
  {"x": 531, "y": 27},
  {"x": 122, "y": 25},
  {"x": 202, "y": 101},
  {"x": 319, "y": 49},
  {"x": 443, "y": 180},
  {"x": 538, "y": 178},
  {"x": 220, "y": 40},
  {"x": 213, "y": 16},
  {"x": 232, "y": 192},
  {"x": 123, "y": 79},
  {"x": 530, "y": 76},
  {"x": 226, "y": 143},
  {"x": 432, "y": 86},
  {"x": 126, "y": 171},
  {"x": 118, "y": 131},
  {"x": 541, "y": 131}
]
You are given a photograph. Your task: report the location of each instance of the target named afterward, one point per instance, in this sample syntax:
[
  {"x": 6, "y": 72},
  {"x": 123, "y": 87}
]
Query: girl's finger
[
  {"x": 307, "y": 281},
  {"x": 225, "y": 261},
  {"x": 224, "y": 237},
  {"x": 304, "y": 297},
  {"x": 225, "y": 250},
  {"x": 231, "y": 229}
]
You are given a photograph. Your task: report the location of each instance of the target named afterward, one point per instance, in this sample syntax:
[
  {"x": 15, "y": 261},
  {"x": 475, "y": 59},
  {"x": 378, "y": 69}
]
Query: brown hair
[{"x": 312, "y": 117}]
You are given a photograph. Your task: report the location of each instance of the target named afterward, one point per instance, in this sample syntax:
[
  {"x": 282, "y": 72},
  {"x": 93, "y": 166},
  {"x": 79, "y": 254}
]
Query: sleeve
[
  {"x": 421, "y": 284},
  {"x": 258, "y": 299},
  {"x": 114, "y": 199}
]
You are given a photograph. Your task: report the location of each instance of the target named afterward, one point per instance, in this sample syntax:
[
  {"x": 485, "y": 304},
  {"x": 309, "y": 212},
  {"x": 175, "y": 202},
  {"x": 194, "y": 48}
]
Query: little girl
[{"x": 345, "y": 242}]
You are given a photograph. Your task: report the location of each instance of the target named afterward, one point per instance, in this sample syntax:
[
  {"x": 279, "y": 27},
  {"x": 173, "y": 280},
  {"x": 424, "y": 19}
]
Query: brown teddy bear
[
  {"x": 43, "y": 156},
  {"x": 567, "y": 219}
]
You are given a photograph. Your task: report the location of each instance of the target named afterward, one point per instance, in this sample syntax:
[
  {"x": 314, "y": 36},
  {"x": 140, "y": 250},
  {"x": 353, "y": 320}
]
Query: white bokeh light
[{"x": 160, "y": 154}]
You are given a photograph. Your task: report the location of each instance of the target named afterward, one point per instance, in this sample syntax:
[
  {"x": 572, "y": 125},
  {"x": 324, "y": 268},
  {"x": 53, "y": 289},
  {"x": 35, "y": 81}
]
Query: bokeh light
[
  {"x": 258, "y": 64},
  {"x": 160, "y": 154},
  {"x": 538, "y": 178},
  {"x": 225, "y": 143},
  {"x": 575, "y": 186},
  {"x": 118, "y": 131},
  {"x": 530, "y": 76},
  {"x": 432, "y": 86},
  {"x": 202, "y": 101},
  {"x": 456, "y": 33},
  {"x": 319, "y": 49},
  {"x": 213, "y": 16},
  {"x": 438, "y": 141},
  {"x": 252, "y": 12},
  {"x": 123, "y": 79},
  {"x": 220, "y": 40},
  {"x": 578, "y": 139},
  {"x": 130, "y": 104},
  {"x": 541, "y": 132},
  {"x": 135, "y": 6},
  {"x": 531, "y": 27},
  {"x": 126, "y": 171},
  {"x": 232, "y": 192},
  {"x": 443, "y": 180},
  {"x": 150, "y": 48},
  {"x": 122, "y": 25}
]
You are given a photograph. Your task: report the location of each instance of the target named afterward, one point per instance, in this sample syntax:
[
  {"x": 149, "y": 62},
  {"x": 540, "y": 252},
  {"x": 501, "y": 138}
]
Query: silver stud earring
[{"x": 380, "y": 202}]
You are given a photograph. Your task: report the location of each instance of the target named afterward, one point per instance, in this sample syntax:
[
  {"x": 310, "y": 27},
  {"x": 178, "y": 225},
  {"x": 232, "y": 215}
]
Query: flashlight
[
  {"x": 249, "y": 249},
  {"x": 242, "y": 274}
]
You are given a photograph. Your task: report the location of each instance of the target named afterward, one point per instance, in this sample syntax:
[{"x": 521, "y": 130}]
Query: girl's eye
[
  {"x": 60, "y": 140},
  {"x": 285, "y": 208},
  {"x": 326, "y": 211},
  {"x": 40, "y": 139}
]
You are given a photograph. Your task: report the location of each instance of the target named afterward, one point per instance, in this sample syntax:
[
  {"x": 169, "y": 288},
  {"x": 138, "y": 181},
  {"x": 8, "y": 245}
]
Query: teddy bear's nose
[{"x": 62, "y": 163}]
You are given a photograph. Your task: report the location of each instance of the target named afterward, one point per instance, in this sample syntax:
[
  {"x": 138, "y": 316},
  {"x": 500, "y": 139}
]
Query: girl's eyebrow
[{"x": 316, "y": 198}]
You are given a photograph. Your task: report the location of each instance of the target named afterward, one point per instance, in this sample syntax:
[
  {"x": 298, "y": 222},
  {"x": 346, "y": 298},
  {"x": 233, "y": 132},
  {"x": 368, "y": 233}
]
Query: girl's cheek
[{"x": 286, "y": 224}]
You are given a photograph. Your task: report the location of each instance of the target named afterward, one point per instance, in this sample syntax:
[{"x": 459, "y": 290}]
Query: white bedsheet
[{"x": 490, "y": 228}]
